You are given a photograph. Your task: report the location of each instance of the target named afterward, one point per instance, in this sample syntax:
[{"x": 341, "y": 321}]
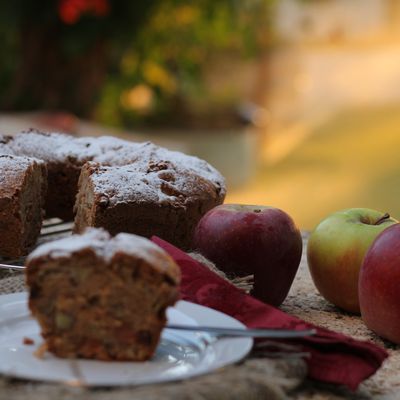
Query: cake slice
[
  {"x": 160, "y": 198},
  {"x": 101, "y": 297},
  {"x": 23, "y": 183}
]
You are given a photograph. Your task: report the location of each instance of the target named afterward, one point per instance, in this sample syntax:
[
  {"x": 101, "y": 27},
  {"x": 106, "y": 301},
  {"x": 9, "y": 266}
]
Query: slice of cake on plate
[{"x": 101, "y": 297}]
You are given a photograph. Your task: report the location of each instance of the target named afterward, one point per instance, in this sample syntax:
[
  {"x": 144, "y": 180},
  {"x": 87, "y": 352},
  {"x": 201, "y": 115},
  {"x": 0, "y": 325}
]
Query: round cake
[{"x": 123, "y": 186}]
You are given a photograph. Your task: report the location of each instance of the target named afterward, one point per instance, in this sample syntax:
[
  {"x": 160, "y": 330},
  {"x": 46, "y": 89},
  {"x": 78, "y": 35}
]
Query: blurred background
[{"x": 296, "y": 102}]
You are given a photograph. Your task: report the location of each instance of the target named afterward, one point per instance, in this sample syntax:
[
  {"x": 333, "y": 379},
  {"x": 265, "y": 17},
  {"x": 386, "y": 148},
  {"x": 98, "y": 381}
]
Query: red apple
[
  {"x": 379, "y": 285},
  {"x": 336, "y": 249},
  {"x": 244, "y": 239}
]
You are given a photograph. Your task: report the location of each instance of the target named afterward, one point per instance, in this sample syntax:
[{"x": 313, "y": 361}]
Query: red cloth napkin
[{"x": 335, "y": 358}]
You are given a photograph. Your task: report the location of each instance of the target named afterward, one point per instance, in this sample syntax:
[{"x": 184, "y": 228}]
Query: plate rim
[{"x": 245, "y": 345}]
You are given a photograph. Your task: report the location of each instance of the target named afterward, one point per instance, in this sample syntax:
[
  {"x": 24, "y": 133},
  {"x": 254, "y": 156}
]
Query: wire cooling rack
[{"x": 52, "y": 229}]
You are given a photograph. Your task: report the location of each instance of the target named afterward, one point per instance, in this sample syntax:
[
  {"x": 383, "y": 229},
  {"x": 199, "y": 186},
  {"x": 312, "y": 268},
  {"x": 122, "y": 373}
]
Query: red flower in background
[{"x": 71, "y": 10}]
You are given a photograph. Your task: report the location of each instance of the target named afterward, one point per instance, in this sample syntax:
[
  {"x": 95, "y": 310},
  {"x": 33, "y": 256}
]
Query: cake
[
  {"x": 23, "y": 184},
  {"x": 148, "y": 197},
  {"x": 64, "y": 156},
  {"x": 101, "y": 297},
  {"x": 131, "y": 187}
]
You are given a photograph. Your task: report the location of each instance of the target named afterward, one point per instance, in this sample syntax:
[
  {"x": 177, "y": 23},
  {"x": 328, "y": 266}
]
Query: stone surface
[
  {"x": 305, "y": 302},
  {"x": 254, "y": 379}
]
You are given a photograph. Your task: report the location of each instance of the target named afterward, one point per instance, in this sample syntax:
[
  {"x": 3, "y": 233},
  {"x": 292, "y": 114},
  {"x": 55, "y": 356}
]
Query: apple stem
[{"x": 382, "y": 219}]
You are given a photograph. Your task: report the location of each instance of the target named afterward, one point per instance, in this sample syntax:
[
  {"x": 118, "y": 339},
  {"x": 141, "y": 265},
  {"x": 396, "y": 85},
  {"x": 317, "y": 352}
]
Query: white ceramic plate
[{"x": 179, "y": 355}]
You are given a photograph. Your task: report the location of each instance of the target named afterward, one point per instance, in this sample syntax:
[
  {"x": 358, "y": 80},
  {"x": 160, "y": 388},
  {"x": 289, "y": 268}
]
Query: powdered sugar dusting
[
  {"x": 142, "y": 181},
  {"x": 157, "y": 174},
  {"x": 143, "y": 248},
  {"x": 188, "y": 163},
  {"x": 111, "y": 151},
  {"x": 5, "y": 147},
  {"x": 104, "y": 246},
  {"x": 13, "y": 170},
  {"x": 125, "y": 183},
  {"x": 13, "y": 164},
  {"x": 58, "y": 147},
  {"x": 41, "y": 145},
  {"x": 93, "y": 238},
  {"x": 147, "y": 153}
]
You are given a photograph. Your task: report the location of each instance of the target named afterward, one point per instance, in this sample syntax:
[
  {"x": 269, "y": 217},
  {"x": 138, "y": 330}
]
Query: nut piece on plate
[{"x": 101, "y": 297}]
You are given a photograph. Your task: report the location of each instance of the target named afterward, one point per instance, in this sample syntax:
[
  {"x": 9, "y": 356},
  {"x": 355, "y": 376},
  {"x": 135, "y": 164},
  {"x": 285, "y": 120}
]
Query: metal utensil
[
  {"x": 52, "y": 229},
  {"x": 12, "y": 267},
  {"x": 237, "y": 332}
]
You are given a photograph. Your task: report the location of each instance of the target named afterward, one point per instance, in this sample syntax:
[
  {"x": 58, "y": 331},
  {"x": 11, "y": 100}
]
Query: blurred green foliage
[
  {"x": 122, "y": 62},
  {"x": 50, "y": 61},
  {"x": 159, "y": 79}
]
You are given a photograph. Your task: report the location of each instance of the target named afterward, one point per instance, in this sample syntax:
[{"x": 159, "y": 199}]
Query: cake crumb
[
  {"x": 40, "y": 351},
  {"x": 28, "y": 341}
]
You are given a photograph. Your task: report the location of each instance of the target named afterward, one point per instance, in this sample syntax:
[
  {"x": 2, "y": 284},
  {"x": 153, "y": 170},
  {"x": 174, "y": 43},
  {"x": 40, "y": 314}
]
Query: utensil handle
[
  {"x": 13, "y": 267},
  {"x": 254, "y": 333}
]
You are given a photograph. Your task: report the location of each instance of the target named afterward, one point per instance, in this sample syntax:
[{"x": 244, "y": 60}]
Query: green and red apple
[
  {"x": 379, "y": 285},
  {"x": 336, "y": 249},
  {"x": 245, "y": 239}
]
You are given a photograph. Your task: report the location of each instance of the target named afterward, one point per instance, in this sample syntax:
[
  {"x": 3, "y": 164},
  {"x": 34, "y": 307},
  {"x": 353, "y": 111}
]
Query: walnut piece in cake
[{"x": 101, "y": 297}]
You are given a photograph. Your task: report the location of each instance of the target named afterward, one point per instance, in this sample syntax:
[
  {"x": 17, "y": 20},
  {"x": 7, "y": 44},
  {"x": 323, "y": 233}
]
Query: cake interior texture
[
  {"x": 23, "y": 183},
  {"x": 103, "y": 298}
]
